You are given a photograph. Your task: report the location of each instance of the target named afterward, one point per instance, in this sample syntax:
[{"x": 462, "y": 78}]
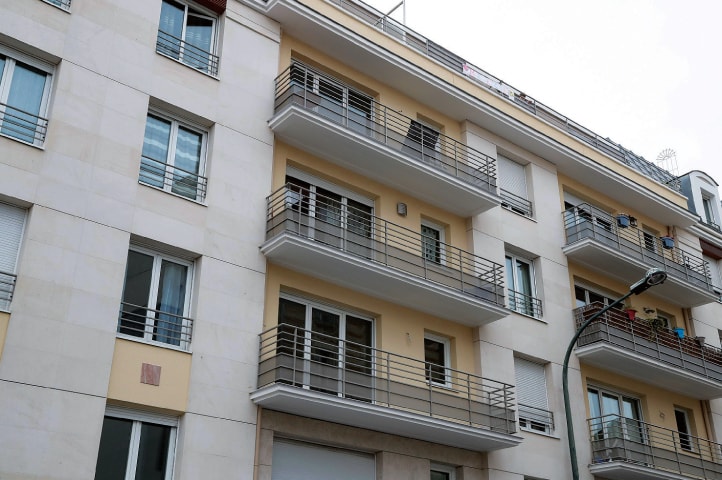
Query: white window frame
[
  {"x": 13, "y": 271},
  {"x": 691, "y": 440},
  {"x": 200, "y": 12},
  {"x": 444, "y": 469},
  {"x": 138, "y": 418},
  {"x": 528, "y": 424},
  {"x": 63, "y": 5},
  {"x": 153, "y": 297},
  {"x": 708, "y": 207},
  {"x": 12, "y": 57},
  {"x": 446, "y": 342},
  {"x": 177, "y": 122},
  {"x": 515, "y": 287},
  {"x": 441, "y": 242},
  {"x": 608, "y": 296}
]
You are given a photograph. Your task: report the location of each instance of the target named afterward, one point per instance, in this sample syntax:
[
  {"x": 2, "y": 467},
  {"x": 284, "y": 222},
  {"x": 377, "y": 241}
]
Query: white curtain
[{"x": 171, "y": 302}]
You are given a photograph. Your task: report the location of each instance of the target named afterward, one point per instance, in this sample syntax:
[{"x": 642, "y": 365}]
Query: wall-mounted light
[{"x": 401, "y": 209}]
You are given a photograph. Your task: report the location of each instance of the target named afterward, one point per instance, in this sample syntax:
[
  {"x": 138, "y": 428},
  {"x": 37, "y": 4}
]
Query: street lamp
[{"x": 654, "y": 276}]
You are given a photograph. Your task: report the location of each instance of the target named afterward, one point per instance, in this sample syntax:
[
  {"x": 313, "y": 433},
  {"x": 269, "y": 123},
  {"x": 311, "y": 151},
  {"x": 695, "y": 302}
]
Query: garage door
[{"x": 303, "y": 461}]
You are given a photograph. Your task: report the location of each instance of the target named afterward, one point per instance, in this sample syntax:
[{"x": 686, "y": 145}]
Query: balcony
[
  {"x": 159, "y": 174},
  {"x": 625, "y": 448},
  {"x": 634, "y": 348},
  {"x": 525, "y": 304},
  {"x": 594, "y": 239},
  {"x": 186, "y": 53},
  {"x": 7, "y": 287},
  {"x": 162, "y": 327},
  {"x": 516, "y": 204},
  {"x": 24, "y": 126},
  {"x": 318, "y": 113},
  {"x": 349, "y": 247},
  {"x": 324, "y": 377}
]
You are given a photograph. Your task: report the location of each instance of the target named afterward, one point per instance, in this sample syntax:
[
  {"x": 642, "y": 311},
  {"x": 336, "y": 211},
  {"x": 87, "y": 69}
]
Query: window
[
  {"x": 681, "y": 416},
  {"x": 330, "y": 339},
  {"x": 24, "y": 92},
  {"x": 12, "y": 225},
  {"x": 156, "y": 298},
  {"x": 173, "y": 157},
  {"x": 64, "y": 4},
  {"x": 512, "y": 181},
  {"x": 585, "y": 295},
  {"x": 520, "y": 282},
  {"x": 615, "y": 415},
  {"x": 442, "y": 472},
  {"x": 188, "y": 34},
  {"x": 306, "y": 461},
  {"x": 136, "y": 446},
  {"x": 437, "y": 357},
  {"x": 531, "y": 387},
  {"x": 432, "y": 242},
  {"x": 709, "y": 211}
]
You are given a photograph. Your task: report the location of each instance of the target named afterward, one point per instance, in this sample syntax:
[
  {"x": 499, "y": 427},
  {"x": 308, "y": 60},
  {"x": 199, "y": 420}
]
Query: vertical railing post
[
  {"x": 468, "y": 397},
  {"x": 388, "y": 380}
]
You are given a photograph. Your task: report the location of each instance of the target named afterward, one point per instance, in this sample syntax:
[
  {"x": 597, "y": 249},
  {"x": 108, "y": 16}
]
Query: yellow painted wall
[
  {"x": 398, "y": 329},
  {"x": 385, "y": 198},
  {"x": 125, "y": 385},
  {"x": 4, "y": 320},
  {"x": 657, "y": 404},
  {"x": 383, "y": 40}
]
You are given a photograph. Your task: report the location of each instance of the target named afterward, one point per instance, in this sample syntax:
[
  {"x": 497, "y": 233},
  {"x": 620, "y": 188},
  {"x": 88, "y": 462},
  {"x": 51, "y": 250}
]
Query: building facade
[{"x": 293, "y": 239}]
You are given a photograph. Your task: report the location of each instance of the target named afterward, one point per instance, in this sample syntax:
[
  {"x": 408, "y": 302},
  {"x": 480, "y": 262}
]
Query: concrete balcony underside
[
  {"x": 682, "y": 287},
  {"x": 384, "y": 281},
  {"x": 361, "y": 153},
  {"x": 308, "y": 403},
  {"x": 623, "y": 470}
]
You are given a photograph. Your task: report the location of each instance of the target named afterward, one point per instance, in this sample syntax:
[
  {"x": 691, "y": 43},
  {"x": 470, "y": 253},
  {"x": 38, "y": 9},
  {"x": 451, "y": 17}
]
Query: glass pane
[
  {"x": 595, "y": 413},
  {"x": 439, "y": 475},
  {"x": 430, "y": 244},
  {"x": 155, "y": 151},
  {"x": 610, "y": 404},
  {"x": 170, "y": 28},
  {"x": 359, "y": 334},
  {"x": 290, "y": 315},
  {"x": 23, "y": 104},
  {"x": 297, "y": 197},
  {"x": 171, "y": 302},
  {"x": 199, "y": 42},
  {"x": 153, "y": 452},
  {"x": 523, "y": 277},
  {"x": 328, "y": 207},
  {"x": 359, "y": 218},
  {"x": 2, "y": 67},
  {"x": 580, "y": 295},
  {"x": 325, "y": 327},
  {"x": 136, "y": 293},
  {"x": 435, "y": 357},
  {"x": 114, "y": 447},
  {"x": 187, "y": 162}
]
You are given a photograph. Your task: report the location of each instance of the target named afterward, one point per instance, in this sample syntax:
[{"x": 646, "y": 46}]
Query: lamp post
[{"x": 654, "y": 276}]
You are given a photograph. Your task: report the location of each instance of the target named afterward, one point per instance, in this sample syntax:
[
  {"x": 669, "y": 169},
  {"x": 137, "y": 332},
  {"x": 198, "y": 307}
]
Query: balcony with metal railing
[
  {"x": 318, "y": 113},
  {"x": 320, "y": 376},
  {"x": 22, "y": 125},
  {"x": 535, "y": 419},
  {"x": 594, "y": 238},
  {"x": 320, "y": 237},
  {"x": 162, "y": 327},
  {"x": 650, "y": 353},
  {"x": 159, "y": 174},
  {"x": 516, "y": 204},
  {"x": 7, "y": 287},
  {"x": 187, "y": 53},
  {"x": 525, "y": 304},
  {"x": 626, "y": 448}
]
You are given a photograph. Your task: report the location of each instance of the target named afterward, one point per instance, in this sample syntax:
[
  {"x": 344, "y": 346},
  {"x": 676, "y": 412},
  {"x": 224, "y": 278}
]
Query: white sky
[{"x": 645, "y": 73}]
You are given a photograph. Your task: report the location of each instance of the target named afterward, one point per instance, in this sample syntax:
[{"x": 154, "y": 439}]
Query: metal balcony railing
[
  {"x": 159, "y": 174},
  {"x": 186, "y": 53},
  {"x": 331, "y": 99},
  {"x": 641, "y": 337},
  {"x": 525, "y": 304},
  {"x": 311, "y": 360},
  {"x": 7, "y": 287},
  {"x": 515, "y": 203},
  {"x": 617, "y": 438},
  {"x": 536, "y": 419},
  {"x": 586, "y": 221},
  {"x": 64, "y": 4},
  {"x": 293, "y": 209},
  {"x": 22, "y": 125},
  {"x": 155, "y": 325}
]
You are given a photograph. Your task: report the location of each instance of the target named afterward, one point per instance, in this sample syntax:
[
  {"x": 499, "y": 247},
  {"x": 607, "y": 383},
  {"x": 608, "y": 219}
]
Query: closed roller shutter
[
  {"x": 303, "y": 461},
  {"x": 12, "y": 223},
  {"x": 512, "y": 177}
]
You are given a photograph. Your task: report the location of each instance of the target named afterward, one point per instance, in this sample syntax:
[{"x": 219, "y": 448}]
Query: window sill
[
  {"x": 197, "y": 202},
  {"x": 154, "y": 344},
  {"x": 209, "y": 75},
  {"x": 538, "y": 319},
  {"x": 537, "y": 432},
  {"x": 520, "y": 214}
]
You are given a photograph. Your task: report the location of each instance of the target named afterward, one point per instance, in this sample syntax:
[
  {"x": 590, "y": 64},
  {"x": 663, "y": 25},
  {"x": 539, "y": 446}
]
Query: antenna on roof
[{"x": 667, "y": 159}]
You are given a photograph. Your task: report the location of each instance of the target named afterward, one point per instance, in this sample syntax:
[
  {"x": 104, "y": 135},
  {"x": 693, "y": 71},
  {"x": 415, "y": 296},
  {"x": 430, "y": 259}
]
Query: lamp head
[{"x": 654, "y": 276}]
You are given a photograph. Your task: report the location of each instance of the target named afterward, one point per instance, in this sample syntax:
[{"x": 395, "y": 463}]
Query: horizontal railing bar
[
  {"x": 516, "y": 203},
  {"x": 525, "y": 304},
  {"x": 187, "y": 53},
  {"x": 162, "y": 326},
  {"x": 180, "y": 181}
]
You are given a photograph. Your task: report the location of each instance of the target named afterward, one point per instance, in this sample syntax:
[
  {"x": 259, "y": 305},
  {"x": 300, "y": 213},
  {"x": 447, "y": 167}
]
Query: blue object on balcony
[
  {"x": 679, "y": 332},
  {"x": 667, "y": 242},
  {"x": 623, "y": 220}
]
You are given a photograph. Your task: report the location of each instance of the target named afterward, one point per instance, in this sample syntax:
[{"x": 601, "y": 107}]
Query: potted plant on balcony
[{"x": 655, "y": 323}]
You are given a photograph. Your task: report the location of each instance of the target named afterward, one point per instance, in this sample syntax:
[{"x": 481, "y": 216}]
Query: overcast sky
[{"x": 645, "y": 73}]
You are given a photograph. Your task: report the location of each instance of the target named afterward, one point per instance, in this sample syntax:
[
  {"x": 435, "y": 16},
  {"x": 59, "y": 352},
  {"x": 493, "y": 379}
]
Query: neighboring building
[{"x": 296, "y": 239}]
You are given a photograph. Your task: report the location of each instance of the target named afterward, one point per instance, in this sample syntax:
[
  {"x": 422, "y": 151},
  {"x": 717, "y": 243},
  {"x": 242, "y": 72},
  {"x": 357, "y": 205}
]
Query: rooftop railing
[
  {"x": 617, "y": 438},
  {"x": 586, "y": 221},
  {"x": 155, "y": 325},
  {"x": 7, "y": 287},
  {"x": 642, "y": 337},
  {"x": 458, "y": 65},
  {"x": 293, "y": 209},
  {"x": 186, "y": 53},
  {"x": 25, "y": 126},
  {"x": 515, "y": 203},
  {"x": 159, "y": 174},
  {"x": 330, "y": 98},
  {"x": 342, "y": 369},
  {"x": 525, "y": 304}
]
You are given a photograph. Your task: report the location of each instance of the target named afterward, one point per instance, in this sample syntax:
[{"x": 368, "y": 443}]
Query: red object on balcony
[{"x": 631, "y": 313}]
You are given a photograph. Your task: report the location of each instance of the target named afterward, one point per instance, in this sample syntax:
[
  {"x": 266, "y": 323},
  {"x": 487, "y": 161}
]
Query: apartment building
[{"x": 293, "y": 239}]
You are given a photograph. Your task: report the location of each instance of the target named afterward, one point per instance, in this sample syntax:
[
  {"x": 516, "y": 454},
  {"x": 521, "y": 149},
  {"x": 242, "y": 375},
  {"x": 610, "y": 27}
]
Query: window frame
[
  {"x": 686, "y": 440},
  {"x": 514, "y": 258},
  {"x": 139, "y": 418},
  {"x": 176, "y": 123},
  {"x": 198, "y": 11},
  {"x": 444, "y": 469},
  {"x": 151, "y": 321},
  {"x": 12, "y": 58},
  {"x": 529, "y": 424},
  {"x": 63, "y": 5},
  {"x": 446, "y": 342},
  {"x": 7, "y": 286},
  {"x": 621, "y": 397},
  {"x": 440, "y": 246}
]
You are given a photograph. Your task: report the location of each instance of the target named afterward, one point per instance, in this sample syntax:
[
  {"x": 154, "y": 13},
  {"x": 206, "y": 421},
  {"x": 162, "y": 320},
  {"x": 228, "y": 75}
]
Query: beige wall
[{"x": 4, "y": 320}]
